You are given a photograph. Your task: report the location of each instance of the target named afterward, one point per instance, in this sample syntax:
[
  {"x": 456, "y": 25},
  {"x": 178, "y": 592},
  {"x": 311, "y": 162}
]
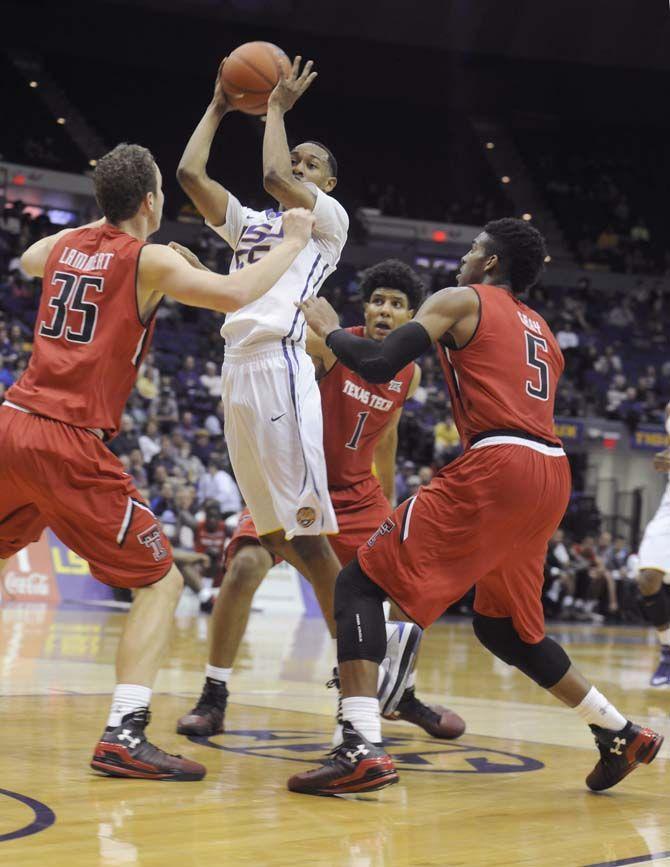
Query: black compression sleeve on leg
[
  {"x": 359, "y": 614},
  {"x": 379, "y": 361},
  {"x": 655, "y": 608},
  {"x": 545, "y": 662}
]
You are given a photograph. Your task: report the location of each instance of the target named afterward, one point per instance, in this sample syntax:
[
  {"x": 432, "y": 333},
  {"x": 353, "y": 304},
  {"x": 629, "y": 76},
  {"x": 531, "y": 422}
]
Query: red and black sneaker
[
  {"x": 620, "y": 753},
  {"x": 438, "y": 721},
  {"x": 355, "y": 765},
  {"x": 206, "y": 718},
  {"x": 124, "y": 751}
]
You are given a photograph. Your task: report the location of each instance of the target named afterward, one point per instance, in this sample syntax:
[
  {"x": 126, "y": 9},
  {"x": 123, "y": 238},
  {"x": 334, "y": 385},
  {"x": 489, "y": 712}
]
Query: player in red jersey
[
  {"x": 360, "y": 428},
  {"x": 102, "y": 284},
  {"x": 484, "y": 520}
]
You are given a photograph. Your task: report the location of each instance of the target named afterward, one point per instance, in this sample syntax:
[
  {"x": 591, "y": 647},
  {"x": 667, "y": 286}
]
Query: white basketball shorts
[
  {"x": 274, "y": 434},
  {"x": 655, "y": 546}
]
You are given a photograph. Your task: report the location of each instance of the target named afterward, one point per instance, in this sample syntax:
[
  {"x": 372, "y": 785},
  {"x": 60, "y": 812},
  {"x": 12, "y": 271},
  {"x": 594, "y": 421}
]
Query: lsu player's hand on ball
[{"x": 298, "y": 224}]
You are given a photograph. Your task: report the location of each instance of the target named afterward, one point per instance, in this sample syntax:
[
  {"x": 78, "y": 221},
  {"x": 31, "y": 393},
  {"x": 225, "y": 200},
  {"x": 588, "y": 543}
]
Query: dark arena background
[{"x": 443, "y": 115}]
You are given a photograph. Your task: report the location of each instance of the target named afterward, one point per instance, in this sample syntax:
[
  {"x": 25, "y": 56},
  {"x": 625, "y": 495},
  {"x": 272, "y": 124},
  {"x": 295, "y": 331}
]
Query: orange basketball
[{"x": 250, "y": 74}]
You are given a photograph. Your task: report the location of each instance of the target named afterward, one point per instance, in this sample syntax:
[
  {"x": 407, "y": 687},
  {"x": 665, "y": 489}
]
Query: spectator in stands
[
  {"x": 164, "y": 408},
  {"x": 220, "y": 486},
  {"x": 164, "y": 502},
  {"x": 214, "y": 421},
  {"x": 210, "y": 380},
  {"x": 148, "y": 381},
  {"x": 188, "y": 379},
  {"x": 615, "y": 394},
  {"x": 567, "y": 337},
  {"x": 187, "y": 427},
  {"x": 127, "y": 439},
  {"x": 560, "y": 577},
  {"x": 210, "y": 539},
  {"x": 191, "y": 465},
  {"x": 137, "y": 470},
  {"x": 202, "y": 447},
  {"x": 447, "y": 440},
  {"x": 149, "y": 441}
]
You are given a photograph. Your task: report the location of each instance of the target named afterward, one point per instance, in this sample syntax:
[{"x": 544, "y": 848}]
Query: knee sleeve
[
  {"x": 359, "y": 614},
  {"x": 655, "y": 608},
  {"x": 545, "y": 662}
]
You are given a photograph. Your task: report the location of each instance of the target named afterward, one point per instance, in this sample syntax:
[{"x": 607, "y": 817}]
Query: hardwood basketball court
[{"x": 510, "y": 791}]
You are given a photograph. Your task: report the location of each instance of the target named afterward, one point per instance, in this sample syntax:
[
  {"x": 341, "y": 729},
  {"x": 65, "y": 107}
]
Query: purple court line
[{"x": 44, "y": 817}]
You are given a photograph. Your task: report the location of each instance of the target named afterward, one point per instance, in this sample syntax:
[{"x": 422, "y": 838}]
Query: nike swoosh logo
[{"x": 277, "y": 417}]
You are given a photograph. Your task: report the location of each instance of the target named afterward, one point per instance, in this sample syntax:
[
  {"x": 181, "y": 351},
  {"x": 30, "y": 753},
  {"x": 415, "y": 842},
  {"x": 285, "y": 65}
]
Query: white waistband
[
  {"x": 551, "y": 451},
  {"x": 260, "y": 350},
  {"x": 96, "y": 431}
]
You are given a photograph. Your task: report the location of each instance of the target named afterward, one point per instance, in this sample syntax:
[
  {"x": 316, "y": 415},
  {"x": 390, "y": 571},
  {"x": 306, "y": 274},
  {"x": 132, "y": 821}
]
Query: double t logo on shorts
[{"x": 151, "y": 539}]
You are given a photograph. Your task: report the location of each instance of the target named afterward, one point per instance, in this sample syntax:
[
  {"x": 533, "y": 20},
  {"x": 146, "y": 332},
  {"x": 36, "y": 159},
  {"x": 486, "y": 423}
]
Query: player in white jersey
[
  {"x": 272, "y": 407},
  {"x": 654, "y": 567}
]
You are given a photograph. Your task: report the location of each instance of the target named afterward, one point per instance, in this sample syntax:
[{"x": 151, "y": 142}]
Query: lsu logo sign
[{"x": 419, "y": 755}]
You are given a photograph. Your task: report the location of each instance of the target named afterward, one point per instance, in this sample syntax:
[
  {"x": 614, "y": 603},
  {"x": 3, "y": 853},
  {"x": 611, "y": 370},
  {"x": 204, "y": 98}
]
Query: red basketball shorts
[
  {"x": 484, "y": 520},
  {"x": 359, "y": 509},
  {"x": 63, "y": 477}
]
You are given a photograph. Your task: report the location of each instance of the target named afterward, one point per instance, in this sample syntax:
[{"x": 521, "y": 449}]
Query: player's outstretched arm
[
  {"x": 209, "y": 197},
  {"x": 379, "y": 362},
  {"x": 278, "y": 177},
  {"x": 34, "y": 260},
  {"x": 163, "y": 270}
]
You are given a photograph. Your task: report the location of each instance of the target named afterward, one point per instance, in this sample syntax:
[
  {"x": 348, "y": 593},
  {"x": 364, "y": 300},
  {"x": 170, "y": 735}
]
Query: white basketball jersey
[{"x": 251, "y": 234}]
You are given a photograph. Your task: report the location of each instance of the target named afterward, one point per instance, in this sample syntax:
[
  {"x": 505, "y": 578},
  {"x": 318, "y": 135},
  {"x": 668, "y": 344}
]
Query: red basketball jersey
[
  {"x": 355, "y": 413},
  {"x": 505, "y": 377},
  {"x": 89, "y": 339}
]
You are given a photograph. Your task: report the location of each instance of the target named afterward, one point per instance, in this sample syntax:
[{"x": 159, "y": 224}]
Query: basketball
[{"x": 250, "y": 74}]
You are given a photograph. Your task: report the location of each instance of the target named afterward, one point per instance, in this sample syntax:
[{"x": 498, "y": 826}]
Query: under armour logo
[
  {"x": 126, "y": 735},
  {"x": 395, "y": 385},
  {"x": 361, "y": 750},
  {"x": 618, "y": 743}
]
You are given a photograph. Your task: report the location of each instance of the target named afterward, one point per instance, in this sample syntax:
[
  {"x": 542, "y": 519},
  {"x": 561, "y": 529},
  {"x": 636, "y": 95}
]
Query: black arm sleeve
[{"x": 379, "y": 361}]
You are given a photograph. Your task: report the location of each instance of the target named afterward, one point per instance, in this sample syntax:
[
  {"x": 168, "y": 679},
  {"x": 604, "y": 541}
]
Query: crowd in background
[{"x": 172, "y": 443}]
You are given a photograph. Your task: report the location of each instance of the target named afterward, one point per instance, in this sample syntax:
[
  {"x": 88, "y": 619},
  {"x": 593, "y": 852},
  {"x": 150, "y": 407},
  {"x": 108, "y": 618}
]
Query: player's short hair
[
  {"x": 393, "y": 274},
  {"x": 122, "y": 178},
  {"x": 520, "y": 248},
  {"x": 332, "y": 162}
]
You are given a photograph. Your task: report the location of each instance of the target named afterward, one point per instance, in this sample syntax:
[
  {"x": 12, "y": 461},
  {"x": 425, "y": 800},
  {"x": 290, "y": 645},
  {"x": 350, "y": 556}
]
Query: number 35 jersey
[
  {"x": 505, "y": 378},
  {"x": 89, "y": 340},
  {"x": 355, "y": 413}
]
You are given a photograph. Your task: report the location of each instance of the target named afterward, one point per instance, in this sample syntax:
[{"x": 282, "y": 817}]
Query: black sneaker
[
  {"x": 620, "y": 753},
  {"x": 438, "y": 721},
  {"x": 355, "y": 766},
  {"x": 206, "y": 718},
  {"x": 661, "y": 677},
  {"x": 124, "y": 751}
]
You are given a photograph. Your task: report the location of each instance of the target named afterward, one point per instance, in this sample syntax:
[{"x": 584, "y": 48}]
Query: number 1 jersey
[
  {"x": 504, "y": 379},
  {"x": 89, "y": 339},
  {"x": 355, "y": 413}
]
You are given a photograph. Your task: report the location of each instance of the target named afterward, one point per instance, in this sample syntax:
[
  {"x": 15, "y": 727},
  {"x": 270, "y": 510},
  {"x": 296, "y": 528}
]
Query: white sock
[
  {"x": 411, "y": 680},
  {"x": 664, "y": 635},
  {"x": 127, "y": 698},
  {"x": 363, "y": 714},
  {"x": 596, "y": 710},
  {"x": 220, "y": 674},
  {"x": 391, "y": 627}
]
